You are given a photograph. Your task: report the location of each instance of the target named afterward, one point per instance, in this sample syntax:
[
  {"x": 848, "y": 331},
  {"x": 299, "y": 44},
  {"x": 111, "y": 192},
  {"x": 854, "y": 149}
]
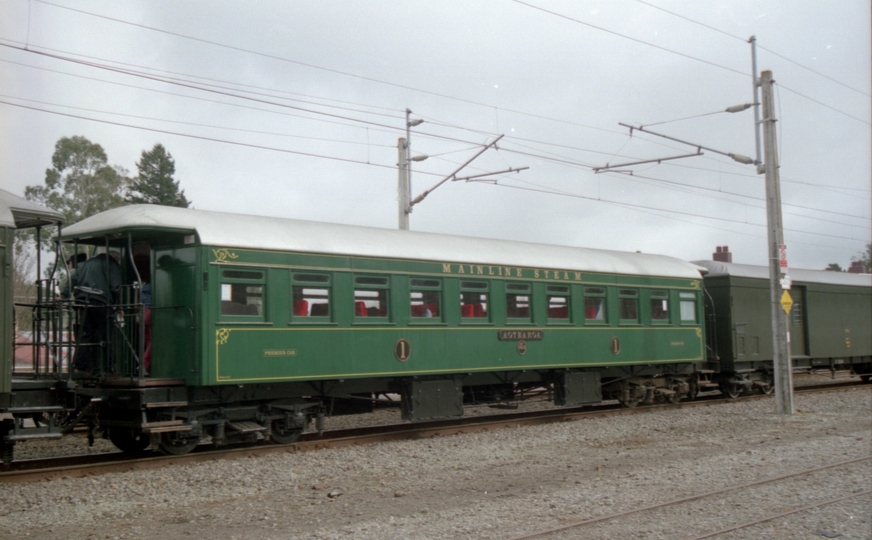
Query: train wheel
[
  {"x": 630, "y": 403},
  {"x": 631, "y": 395},
  {"x": 129, "y": 442},
  {"x": 693, "y": 392},
  {"x": 175, "y": 443},
  {"x": 769, "y": 387},
  {"x": 866, "y": 378},
  {"x": 732, "y": 391},
  {"x": 675, "y": 398},
  {"x": 282, "y": 434}
]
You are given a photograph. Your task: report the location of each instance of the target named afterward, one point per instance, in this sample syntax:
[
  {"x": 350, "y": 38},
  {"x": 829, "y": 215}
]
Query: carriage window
[
  {"x": 312, "y": 278},
  {"x": 242, "y": 274},
  {"x": 242, "y": 293},
  {"x": 558, "y": 302},
  {"x": 473, "y": 300},
  {"x": 241, "y": 299},
  {"x": 687, "y": 306},
  {"x": 425, "y": 299},
  {"x": 371, "y": 297},
  {"x": 628, "y": 305},
  {"x": 378, "y": 281},
  {"x": 518, "y": 301},
  {"x": 659, "y": 307},
  {"x": 595, "y": 304},
  {"x": 311, "y": 295}
]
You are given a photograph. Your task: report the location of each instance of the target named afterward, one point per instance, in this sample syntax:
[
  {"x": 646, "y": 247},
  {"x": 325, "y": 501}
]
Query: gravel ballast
[{"x": 497, "y": 484}]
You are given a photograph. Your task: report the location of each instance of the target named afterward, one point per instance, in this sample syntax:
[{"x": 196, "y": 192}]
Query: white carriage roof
[
  {"x": 280, "y": 234},
  {"x": 717, "y": 268},
  {"x": 19, "y": 213}
]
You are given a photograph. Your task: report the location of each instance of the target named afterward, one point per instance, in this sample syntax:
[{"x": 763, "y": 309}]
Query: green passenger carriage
[{"x": 275, "y": 315}]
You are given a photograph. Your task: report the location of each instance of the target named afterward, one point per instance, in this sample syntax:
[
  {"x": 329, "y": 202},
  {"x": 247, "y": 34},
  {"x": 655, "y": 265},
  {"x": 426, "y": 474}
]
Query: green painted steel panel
[
  {"x": 797, "y": 321},
  {"x": 235, "y": 256},
  {"x": 839, "y": 321},
  {"x": 835, "y": 320},
  {"x": 175, "y": 311},
  {"x": 244, "y": 354},
  {"x": 276, "y": 345},
  {"x": 751, "y": 319}
]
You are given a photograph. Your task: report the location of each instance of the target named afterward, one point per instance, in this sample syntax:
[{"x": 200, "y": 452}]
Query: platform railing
[{"x": 48, "y": 350}]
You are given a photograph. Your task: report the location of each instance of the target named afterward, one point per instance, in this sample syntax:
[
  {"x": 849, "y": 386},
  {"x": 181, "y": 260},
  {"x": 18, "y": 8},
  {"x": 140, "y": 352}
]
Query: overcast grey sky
[{"x": 294, "y": 109}]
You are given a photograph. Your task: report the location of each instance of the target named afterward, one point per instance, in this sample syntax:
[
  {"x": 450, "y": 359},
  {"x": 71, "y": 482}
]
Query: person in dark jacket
[
  {"x": 65, "y": 276},
  {"x": 96, "y": 286}
]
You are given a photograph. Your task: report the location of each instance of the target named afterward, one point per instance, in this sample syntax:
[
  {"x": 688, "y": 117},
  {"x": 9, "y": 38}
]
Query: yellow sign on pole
[{"x": 786, "y": 302}]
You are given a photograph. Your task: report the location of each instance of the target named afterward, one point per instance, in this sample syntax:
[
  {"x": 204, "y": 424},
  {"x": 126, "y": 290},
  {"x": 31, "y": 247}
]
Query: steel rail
[
  {"x": 782, "y": 514},
  {"x": 693, "y": 498},
  {"x": 97, "y": 464}
]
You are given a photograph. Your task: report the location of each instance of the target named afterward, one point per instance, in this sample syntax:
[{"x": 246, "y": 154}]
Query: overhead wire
[
  {"x": 822, "y": 104},
  {"x": 393, "y": 112},
  {"x": 437, "y": 94},
  {"x": 200, "y": 137},
  {"x": 195, "y": 124},
  {"x": 672, "y": 51},
  {"x": 170, "y": 81},
  {"x": 625, "y": 36},
  {"x": 309, "y": 154},
  {"x": 185, "y": 77},
  {"x": 649, "y": 124},
  {"x": 670, "y": 213},
  {"x": 509, "y": 138},
  {"x": 225, "y": 93},
  {"x": 686, "y": 188},
  {"x": 187, "y": 96},
  {"x": 828, "y": 187},
  {"x": 177, "y": 34},
  {"x": 315, "y": 112},
  {"x": 785, "y": 180},
  {"x": 761, "y": 47},
  {"x": 694, "y": 190},
  {"x": 190, "y": 85},
  {"x": 587, "y": 166},
  {"x": 840, "y": 83},
  {"x": 314, "y": 66},
  {"x": 254, "y": 131}
]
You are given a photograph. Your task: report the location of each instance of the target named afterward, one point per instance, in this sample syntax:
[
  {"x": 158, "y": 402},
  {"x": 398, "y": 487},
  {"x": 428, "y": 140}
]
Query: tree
[
  {"x": 155, "y": 184},
  {"x": 865, "y": 257},
  {"x": 81, "y": 183},
  {"x": 23, "y": 274},
  {"x": 834, "y": 267}
]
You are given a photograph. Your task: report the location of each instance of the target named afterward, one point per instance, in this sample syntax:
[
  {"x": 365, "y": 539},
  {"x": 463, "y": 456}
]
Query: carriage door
[
  {"x": 173, "y": 312},
  {"x": 796, "y": 324}
]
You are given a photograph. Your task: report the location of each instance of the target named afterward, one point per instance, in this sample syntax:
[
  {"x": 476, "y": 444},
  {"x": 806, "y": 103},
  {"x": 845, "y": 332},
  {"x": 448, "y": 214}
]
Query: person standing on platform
[
  {"x": 96, "y": 286},
  {"x": 73, "y": 262}
]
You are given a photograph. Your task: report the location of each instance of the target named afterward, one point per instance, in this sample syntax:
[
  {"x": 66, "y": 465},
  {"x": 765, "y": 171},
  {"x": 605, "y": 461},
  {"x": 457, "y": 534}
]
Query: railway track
[
  {"x": 577, "y": 527},
  {"x": 98, "y": 464}
]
